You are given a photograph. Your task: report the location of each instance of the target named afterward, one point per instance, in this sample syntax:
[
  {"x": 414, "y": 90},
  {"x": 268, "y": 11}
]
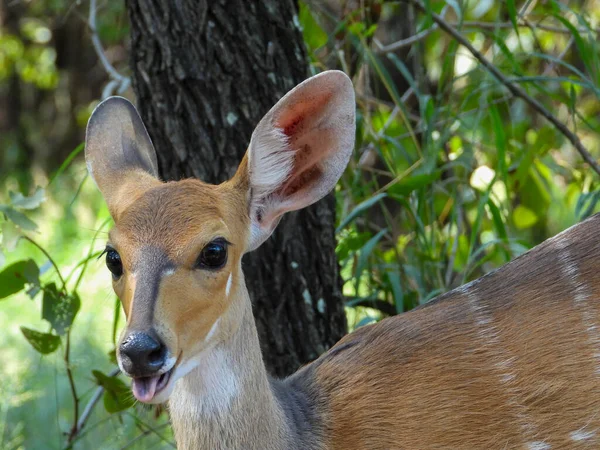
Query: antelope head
[{"x": 175, "y": 251}]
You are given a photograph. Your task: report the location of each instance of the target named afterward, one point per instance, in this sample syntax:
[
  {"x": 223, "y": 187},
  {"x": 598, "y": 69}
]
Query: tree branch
[
  {"x": 521, "y": 23},
  {"x": 513, "y": 88},
  {"x": 467, "y": 24},
  {"x": 118, "y": 83},
  {"x": 404, "y": 42}
]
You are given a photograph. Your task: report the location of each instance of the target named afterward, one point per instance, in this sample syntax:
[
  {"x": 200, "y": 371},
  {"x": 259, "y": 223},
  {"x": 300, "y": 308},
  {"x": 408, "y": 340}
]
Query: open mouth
[{"x": 145, "y": 388}]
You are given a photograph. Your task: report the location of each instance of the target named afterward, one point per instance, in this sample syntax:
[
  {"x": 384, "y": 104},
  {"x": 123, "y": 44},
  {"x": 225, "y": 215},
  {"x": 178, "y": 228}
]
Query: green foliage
[
  {"x": 18, "y": 203},
  {"x": 59, "y": 308},
  {"x": 43, "y": 343},
  {"x": 59, "y": 305},
  {"x": 117, "y": 396},
  {"x": 14, "y": 277},
  {"x": 453, "y": 176},
  {"x": 313, "y": 34}
]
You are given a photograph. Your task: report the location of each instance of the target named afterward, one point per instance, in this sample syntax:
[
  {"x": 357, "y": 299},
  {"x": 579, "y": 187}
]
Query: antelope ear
[
  {"x": 119, "y": 153},
  {"x": 299, "y": 150}
]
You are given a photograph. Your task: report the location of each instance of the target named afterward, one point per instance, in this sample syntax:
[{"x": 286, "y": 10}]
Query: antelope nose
[{"x": 142, "y": 355}]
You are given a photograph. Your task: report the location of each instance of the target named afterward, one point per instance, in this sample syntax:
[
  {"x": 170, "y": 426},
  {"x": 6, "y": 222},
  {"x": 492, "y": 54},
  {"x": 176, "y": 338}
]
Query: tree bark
[{"x": 205, "y": 72}]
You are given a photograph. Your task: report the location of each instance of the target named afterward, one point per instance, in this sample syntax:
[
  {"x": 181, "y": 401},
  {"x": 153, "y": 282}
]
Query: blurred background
[{"x": 453, "y": 175}]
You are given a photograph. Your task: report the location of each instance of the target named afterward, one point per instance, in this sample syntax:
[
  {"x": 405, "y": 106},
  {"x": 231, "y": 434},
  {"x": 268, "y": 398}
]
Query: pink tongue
[{"x": 144, "y": 388}]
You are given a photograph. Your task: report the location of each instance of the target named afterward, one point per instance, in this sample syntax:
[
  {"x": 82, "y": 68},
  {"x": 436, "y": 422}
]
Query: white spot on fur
[
  {"x": 581, "y": 296},
  {"x": 489, "y": 338},
  {"x": 212, "y": 331},
  {"x": 168, "y": 272},
  {"x": 538, "y": 445},
  {"x": 507, "y": 378},
  {"x": 582, "y": 435},
  {"x": 228, "y": 287}
]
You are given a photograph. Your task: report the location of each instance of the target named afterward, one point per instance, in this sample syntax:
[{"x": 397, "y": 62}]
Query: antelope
[{"x": 509, "y": 361}]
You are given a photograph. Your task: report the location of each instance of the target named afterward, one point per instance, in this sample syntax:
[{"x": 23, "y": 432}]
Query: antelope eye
[
  {"x": 213, "y": 256},
  {"x": 113, "y": 262}
]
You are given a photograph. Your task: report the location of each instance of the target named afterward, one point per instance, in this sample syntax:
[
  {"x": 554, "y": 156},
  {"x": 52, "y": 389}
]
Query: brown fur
[{"x": 506, "y": 362}]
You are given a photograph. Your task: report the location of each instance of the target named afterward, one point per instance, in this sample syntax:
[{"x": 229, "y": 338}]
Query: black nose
[{"x": 142, "y": 354}]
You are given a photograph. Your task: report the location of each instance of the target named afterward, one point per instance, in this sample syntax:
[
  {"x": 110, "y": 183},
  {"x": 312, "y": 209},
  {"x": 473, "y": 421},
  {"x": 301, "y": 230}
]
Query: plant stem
[
  {"x": 62, "y": 280},
  {"x": 74, "y": 429},
  {"x": 87, "y": 411}
]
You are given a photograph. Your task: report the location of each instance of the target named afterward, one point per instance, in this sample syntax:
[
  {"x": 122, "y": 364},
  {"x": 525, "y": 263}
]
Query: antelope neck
[{"x": 229, "y": 402}]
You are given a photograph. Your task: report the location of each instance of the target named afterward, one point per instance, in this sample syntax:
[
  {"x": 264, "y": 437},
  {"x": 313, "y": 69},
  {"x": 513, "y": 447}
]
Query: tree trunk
[{"x": 205, "y": 72}]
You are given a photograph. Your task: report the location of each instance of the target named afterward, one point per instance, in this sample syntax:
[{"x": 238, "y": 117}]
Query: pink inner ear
[{"x": 301, "y": 123}]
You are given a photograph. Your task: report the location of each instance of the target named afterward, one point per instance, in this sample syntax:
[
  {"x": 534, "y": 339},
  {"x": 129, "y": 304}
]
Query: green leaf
[
  {"x": 524, "y": 217},
  {"x": 394, "y": 278},
  {"x": 314, "y": 36},
  {"x": 499, "y": 226},
  {"x": 512, "y": 13},
  {"x": 67, "y": 161},
  {"x": 18, "y": 218},
  {"x": 112, "y": 356},
  {"x": 366, "y": 251},
  {"x": 14, "y": 277},
  {"x": 579, "y": 42},
  {"x": 497, "y": 220},
  {"x": 19, "y": 201},
  {"x": 500, "y": 134},
  {"x": 477, "y": 225},
  {"x": 371, "y": 30},
  {"x": 405, "y": 186},
  {"x": 117, "y": 396},
  {"x": 500, "y": 40},
  {"x": 59, "y": 308},
  {"x": 589, "y": 201},
  {"x": 384, "y": 75},
  {"x": 365, "y": 321},
  {"x": 44, "y": 343},
  {"x": 350, "y": 244},
  {"x": 357, "y": 28},
  {"x": 31, "y": 272},
  {"x": 360, "y": 208},
  {"x": 405, "y": 72}
]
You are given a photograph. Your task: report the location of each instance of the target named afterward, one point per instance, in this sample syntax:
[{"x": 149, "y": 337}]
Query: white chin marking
[
  {"x": 228, "y": 287},
  {"x": 213, "y": 382}
]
